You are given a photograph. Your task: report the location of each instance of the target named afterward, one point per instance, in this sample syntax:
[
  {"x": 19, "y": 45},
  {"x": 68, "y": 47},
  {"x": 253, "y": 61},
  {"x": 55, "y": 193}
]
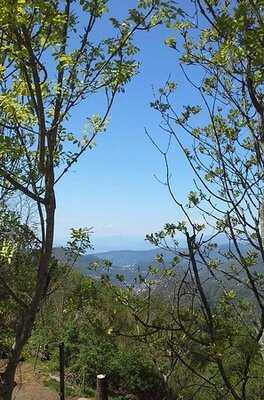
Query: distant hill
[
  {"x": 125, "y": 262},
  {"x": 130, "y": 262},
  {"x": 123, "y": 258}
]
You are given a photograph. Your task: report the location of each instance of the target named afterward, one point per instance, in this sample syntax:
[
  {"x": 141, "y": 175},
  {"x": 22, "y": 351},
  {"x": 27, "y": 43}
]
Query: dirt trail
[{"x": 30, "y": 385}]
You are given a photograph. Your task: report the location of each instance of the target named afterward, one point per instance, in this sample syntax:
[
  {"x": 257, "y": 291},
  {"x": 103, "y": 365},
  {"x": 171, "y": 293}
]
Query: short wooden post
[
  {"x": 101, "y": 387},
  {"x": 36, "y": 357},
  {"x": 62, "y": 389}
]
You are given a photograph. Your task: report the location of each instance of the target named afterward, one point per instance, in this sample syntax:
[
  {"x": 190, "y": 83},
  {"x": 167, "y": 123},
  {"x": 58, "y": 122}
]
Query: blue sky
[{"x": 113, "y": 188}]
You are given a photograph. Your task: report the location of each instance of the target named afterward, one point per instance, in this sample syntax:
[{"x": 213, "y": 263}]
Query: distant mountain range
[
  {"x": 123, "y": 258},
  {"x": 128, "y": 262},
  {"x": 131, "y": 262},
  {"x": 124, "y": 262}
]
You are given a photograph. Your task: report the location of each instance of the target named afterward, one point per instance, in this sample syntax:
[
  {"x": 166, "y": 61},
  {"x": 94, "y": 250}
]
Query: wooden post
[
  {"x": 101, "y": 388},
  {"x": 62, "y": 390},
  {"x": 36, "y": 357}
]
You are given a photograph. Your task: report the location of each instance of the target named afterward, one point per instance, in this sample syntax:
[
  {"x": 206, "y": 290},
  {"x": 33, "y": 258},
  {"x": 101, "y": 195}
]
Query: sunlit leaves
[
  {"x": 43, "y": 68},
  {"x": 79, "y": 242},
  {"x": 170, "y": 42},
  {"x": 118, "y": 73},
  {"x": 10, "y": 148},
  {"x": 213, "y": 264},
  {"x": 97, "y": 124},
  {"x": 7, "y": 250},
  {"x": 251, "y": 258},
  {"x": 231, "y": 295},
  {"x": 15, "y": 111},
  {"x": 193, "y": 198},
  {"x": 95, "y": 7}
]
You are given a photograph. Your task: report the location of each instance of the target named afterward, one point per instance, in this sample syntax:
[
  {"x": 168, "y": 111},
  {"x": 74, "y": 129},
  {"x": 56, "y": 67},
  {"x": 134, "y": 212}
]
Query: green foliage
[
  {"x": 87, "y": 316},
  {"x": 172, "y": 338},
  {"x": 51, "y": 60},
  {"x": 17, "y": 268},
  {"x": 218, "y": 338},
  {"x": 79, "y": 242},
  {"x": 44, "y": 33}
]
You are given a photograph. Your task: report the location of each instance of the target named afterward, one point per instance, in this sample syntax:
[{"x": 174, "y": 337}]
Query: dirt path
[{"x": 30, "y": 385}]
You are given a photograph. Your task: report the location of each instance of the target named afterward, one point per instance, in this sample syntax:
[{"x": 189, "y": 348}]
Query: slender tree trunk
[
  {"x": 261, "y": 221},
  {"x": 28, "y": 317},
  {"x": 23, "y": 332},
  {"x": 7, "y": 383},
  {"x": 261, "y": 228}
]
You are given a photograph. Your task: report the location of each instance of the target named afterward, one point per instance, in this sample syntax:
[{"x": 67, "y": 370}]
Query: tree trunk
[
  {"x": 28, "y": 317},
  {"x": 7, "y": 383},
  {"x": 261, "y": 221},
  {"x": 23, "y": 332}
]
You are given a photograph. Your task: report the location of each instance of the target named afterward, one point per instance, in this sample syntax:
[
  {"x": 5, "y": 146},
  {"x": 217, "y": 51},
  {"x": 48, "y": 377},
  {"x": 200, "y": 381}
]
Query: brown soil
[{"x": 30, "y": 385}]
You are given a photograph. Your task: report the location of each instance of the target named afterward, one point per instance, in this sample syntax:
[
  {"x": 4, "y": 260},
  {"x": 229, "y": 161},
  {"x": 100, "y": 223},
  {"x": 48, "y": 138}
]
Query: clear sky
[{"x": 113, "y": 189}]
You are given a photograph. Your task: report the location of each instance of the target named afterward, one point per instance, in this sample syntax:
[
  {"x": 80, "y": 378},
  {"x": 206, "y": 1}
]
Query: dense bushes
[
  {"x": 128, "y": 371},
  {"x": 82, "y": 313}
]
